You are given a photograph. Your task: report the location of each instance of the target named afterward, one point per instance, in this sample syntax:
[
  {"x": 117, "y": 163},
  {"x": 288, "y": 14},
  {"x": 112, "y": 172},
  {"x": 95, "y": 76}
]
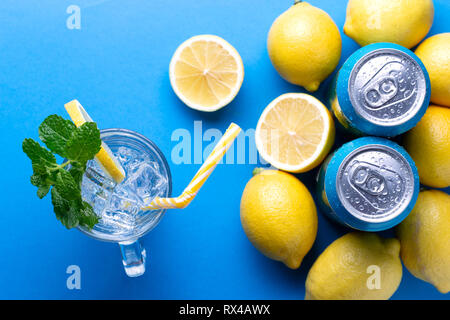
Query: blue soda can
[
  {"x": 369, "y": 184},
  {"x": 383, "y": 89}
]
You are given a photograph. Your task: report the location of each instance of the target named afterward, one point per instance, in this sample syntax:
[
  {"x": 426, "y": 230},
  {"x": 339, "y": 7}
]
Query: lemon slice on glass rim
[
  {"x": 295, "y": 132},
  {"x": 105, "y": 158},
  {"x": 206, "y": 72}
]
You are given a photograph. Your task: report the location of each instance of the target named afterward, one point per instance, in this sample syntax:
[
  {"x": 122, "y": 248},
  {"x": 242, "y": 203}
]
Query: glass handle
[{"x": 133, "y": 258}]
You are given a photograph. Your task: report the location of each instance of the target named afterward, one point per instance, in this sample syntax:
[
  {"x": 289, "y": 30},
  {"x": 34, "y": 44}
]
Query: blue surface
[{"x": 117, "y": 66}]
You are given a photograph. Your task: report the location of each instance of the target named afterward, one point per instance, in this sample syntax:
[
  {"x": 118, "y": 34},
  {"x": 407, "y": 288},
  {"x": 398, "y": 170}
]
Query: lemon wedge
[
  {"x": 104, "y": 157},
  {"x": 295, "y": 132},
  {"x": 206, "y": 72}
]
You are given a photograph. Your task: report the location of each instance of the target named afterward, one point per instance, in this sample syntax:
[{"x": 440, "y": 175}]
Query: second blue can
[{"x": 369, "y": 184}]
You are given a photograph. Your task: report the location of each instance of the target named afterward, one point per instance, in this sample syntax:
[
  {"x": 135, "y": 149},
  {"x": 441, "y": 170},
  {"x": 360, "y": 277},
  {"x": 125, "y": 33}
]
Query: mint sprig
[{"x": 77, "y": 145}]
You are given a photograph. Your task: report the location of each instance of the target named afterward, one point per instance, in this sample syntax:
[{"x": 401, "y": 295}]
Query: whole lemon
[
  {"x": 428, "y": 143},
  {"x": 304, "y": 45},
  {"x": 425, "y": 239},
  {"x": 279, "y": 216},
  {"x": 356, "y": 266},
  {"x": 435, "y": 55},
  {"x": 405, "y": 22}
]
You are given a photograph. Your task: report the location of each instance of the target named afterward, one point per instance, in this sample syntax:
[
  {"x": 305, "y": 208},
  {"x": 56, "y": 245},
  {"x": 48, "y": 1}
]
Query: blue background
[{"x": 117, "y": 67}]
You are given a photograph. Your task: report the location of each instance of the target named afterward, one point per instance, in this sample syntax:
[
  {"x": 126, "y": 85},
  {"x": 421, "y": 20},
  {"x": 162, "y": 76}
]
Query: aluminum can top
[
  {"x": 384, "y": 89},
  {"x": 372, "y": 182}
]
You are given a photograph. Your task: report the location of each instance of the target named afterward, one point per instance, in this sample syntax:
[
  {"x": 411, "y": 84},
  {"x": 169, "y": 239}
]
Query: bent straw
[{"x": 202, "y": 175}]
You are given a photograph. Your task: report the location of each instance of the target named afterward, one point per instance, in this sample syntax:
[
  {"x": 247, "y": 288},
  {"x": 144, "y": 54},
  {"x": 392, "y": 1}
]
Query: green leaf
[
  {"x": 55, "y": 131},
  {"x": 78, "y": 145},
  {"x": 42, "y": 191},
  {"x": 66, "y": 186},
  {"x": 74, "y": 212},
  {"x": 84, "y": 143},
  {"x": 87, "y": 217},
  {"x": 60, "y": 205},
  {"x": 37, "y": 179},
  {"x": 41, "y": 181},
  {"x": 40, "y": 157},
  {"x": 41, "y": 168},
  {"x": 64, "y": 210},
  {"x": 77, "y": 171}
]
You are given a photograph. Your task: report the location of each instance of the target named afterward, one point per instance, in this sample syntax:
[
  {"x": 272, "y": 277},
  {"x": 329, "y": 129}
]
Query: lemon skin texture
[
  {"x": 279, "y": 216},
  {"x": 428, "y": 143},
  {"x": 304, "y": 45},
  {"x": 435, "y": 55},
  {"x": 344, "y": 270},
  {"x": 425, "y": 239},
  {"x": 405, "y": 22}
]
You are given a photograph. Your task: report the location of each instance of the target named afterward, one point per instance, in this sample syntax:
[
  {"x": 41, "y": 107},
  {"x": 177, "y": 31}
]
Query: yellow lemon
[
  {"x": 105, "y": 157},
  {"x": 206, "y": 72},
  {"x": 435, "y": 55},
  {"x": 304, "y": 45},
  {"x": 428, "y": 143},
  {"x": 357, "y": 266},
  {"x": 425, "y": 239},
  {"x": 279, "y": 216},
  {"x": 405, "y": 22},
  {"x": 295, "y": 132}
]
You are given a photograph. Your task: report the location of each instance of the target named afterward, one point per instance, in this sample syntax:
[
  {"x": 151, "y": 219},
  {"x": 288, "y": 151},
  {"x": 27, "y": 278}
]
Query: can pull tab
[
  {"x": 368, "y": 180},
  {"x": 383, "y": 86}
]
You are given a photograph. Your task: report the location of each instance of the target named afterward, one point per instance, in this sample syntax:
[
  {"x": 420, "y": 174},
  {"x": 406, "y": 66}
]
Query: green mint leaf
[
  {"x": 78, "y": 145},
  {"x": 87, "y": 217},
  {"x": 77, "y": 171},
  {"x": 66, "y": 186},
  {"x": 55, "y": 131},
  {"x": 60, "y": 205},
  {"x": 37, "y": 179},
  {"x": 72, "y": 218},
  {"x": 73, "y": 213},
  {"x": 84, "y": 143},
  {"x": 64, "y": 210},
  {"x": 42, "y": 182},
  {"x": 40, "y": 168},
  {"x": 41, "y": 158},
  {"x": 42, "y": 191}
]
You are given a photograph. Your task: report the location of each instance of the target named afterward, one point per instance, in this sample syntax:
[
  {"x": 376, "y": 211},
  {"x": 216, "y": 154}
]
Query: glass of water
[{"x": 119, "y": 205}]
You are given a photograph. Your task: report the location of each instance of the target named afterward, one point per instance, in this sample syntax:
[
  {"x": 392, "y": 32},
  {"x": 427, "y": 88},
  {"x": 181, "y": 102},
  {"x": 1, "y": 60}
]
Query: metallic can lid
[
  {"x": 375, "y": 183},
  {"x": 387, "y": 87}
]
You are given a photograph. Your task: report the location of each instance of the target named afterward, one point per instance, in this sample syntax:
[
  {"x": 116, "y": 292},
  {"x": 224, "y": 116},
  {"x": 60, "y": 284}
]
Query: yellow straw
[{"x": 202, "y": 175}]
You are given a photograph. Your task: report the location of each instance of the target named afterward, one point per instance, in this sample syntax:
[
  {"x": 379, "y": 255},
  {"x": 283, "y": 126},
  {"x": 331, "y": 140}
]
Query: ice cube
[{"x": 120, "y": 206}]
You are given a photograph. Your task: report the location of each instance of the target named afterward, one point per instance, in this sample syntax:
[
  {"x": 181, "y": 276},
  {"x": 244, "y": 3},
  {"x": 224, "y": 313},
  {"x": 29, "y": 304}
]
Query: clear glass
[{"x": 118, "y": 205}]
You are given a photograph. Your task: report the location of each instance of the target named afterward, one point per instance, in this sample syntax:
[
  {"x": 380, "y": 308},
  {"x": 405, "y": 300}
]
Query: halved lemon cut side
[
  {"x": 105, "y": 157},
  {"x": 206, "y": 72},
  {"x": 295, "y": 132}
]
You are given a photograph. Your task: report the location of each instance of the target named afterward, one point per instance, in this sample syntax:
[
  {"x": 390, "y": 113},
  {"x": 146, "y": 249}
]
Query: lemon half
[
  {"x": 206, "y": 72},
  {"x": 295, "y": 132},
  {"x": 105, "y": 158}
]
